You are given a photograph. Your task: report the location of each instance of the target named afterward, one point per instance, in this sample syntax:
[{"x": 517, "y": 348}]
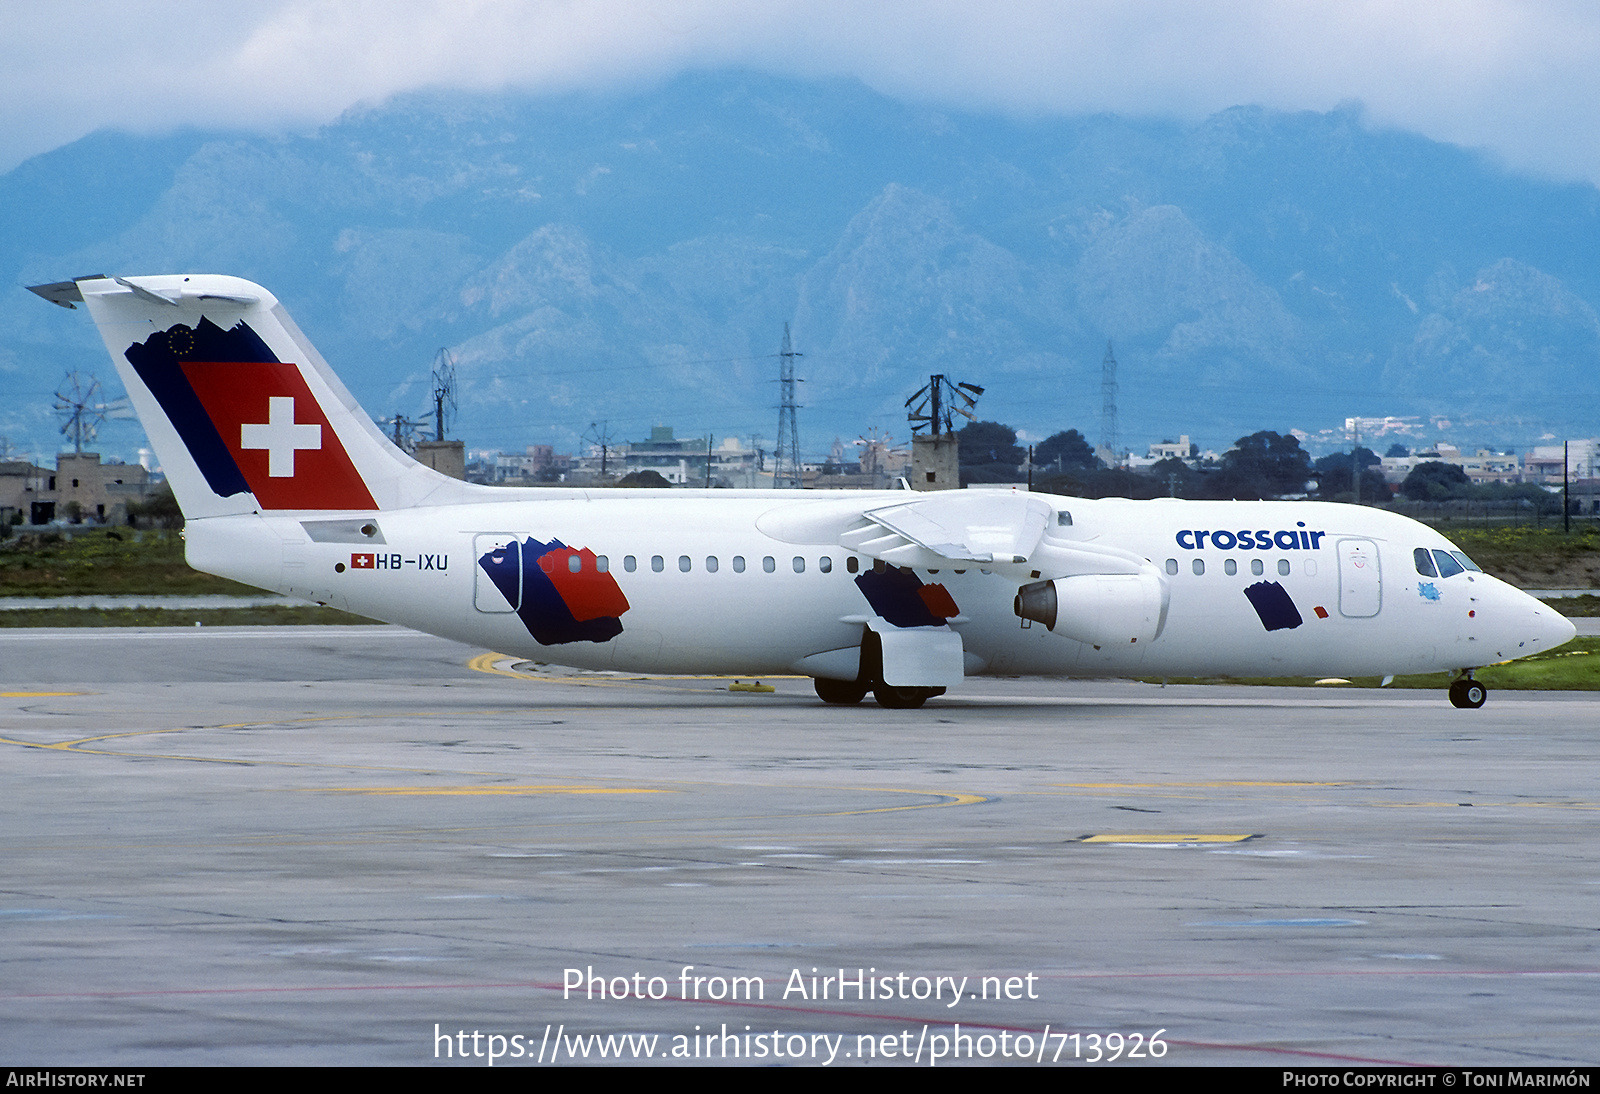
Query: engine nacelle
[{"x": 1098, "y": 609}]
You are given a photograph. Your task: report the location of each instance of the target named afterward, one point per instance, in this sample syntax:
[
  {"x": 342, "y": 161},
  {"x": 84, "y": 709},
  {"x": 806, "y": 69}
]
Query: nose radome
[
  {"x": 1547, "y": 628},
  {"x": 1526, "y": 624},
  {"x": 1554, "y": 628}
]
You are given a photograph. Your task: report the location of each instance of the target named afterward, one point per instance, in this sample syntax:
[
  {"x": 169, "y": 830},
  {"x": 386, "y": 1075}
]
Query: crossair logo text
[{"x": 1288, "y": 539}]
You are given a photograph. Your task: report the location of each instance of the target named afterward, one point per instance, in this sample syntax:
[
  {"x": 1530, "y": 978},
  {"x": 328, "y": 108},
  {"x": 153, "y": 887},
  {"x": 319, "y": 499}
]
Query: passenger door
[{"x": 1360, "y": 579}]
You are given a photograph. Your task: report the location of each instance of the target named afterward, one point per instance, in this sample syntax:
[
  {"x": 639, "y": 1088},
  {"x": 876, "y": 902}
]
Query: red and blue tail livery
[{"x": 248, "y": 419}]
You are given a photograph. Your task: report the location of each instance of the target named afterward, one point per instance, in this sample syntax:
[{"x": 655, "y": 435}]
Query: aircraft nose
[
  {"x": 1523, "y": 624},
  {"x": 1553, "y": 628},
  {"x": 1546, "y": 629}
]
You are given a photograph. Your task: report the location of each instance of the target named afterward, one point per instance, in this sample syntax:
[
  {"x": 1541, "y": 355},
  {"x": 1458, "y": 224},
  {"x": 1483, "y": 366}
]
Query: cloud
[{"x": 1517, "y": 77}]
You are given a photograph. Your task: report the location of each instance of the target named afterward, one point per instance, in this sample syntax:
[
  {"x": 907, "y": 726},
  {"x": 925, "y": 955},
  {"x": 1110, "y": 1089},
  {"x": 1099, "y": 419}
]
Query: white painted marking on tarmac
[
  {"x": 1412, "y": 956},
  {"x": 1279, "y": 923}
]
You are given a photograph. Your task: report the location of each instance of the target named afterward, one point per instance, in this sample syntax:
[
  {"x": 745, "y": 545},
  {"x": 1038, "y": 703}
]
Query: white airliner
[{"x": 287, "y": 485}]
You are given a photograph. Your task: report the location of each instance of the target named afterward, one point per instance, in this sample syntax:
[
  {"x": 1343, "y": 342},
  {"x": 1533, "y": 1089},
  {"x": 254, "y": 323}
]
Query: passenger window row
[
  {"x": 658, "y": 564},
  {"x": 713, "y": 564},
  {"x": 1231, "y": 566}
]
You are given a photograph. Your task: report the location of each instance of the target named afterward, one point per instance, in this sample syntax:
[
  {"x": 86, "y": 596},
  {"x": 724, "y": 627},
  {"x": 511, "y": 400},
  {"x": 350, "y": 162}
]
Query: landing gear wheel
[
  {"x": 903, "y": 698},
  {"x": 1467, "y": 694},
  {"x": 840, "y": 692}
]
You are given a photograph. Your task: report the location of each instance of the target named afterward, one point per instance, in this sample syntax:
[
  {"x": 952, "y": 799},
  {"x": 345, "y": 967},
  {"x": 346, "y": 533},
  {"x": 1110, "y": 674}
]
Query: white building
[{"x": 1482, "y": 466}]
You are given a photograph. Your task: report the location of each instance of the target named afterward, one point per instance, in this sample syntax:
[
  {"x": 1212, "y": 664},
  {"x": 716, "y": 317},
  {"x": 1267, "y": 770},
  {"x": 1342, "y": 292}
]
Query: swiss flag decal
[{"x": 278, "y": 435}]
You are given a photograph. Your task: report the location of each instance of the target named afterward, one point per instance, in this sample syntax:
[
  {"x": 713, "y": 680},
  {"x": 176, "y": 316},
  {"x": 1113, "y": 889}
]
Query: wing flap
[{"x": 981, "y": 526}]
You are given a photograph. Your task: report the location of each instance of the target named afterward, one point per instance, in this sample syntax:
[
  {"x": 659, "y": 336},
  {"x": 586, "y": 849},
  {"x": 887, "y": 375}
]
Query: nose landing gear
[{"x": 1466, "y": 693}]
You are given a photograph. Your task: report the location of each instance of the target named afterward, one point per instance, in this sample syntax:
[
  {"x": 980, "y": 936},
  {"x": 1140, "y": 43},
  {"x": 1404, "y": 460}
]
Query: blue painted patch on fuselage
[
  {"x": 543, "y": 610},
  {"x": 159, "y": 362},
  {"x": 1427, "y": 590},
  {"x": 1274, "y": 606},
  {"x": 896, "y": 595}
]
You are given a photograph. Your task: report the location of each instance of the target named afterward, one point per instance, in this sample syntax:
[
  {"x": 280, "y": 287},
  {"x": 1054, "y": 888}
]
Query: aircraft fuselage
[{"x": 1269, "y": 589}]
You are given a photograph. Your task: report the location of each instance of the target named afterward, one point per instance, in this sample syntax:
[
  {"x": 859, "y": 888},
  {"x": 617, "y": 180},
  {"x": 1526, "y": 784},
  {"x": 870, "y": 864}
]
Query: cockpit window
[
  {"x": 1448, "y": 566},
  {"x": 1465, "y": 561},
  {"x": 1424, "y": 562}
]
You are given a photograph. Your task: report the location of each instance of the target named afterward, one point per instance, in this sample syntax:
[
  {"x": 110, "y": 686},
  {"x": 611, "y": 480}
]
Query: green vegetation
[
  {"x": 646, "y": 479},
  {"x": 989, "y": 453},
  {"x": 104, "y": 562},
  {"x": 126, "y": 562},
  {"x": 1533, "y": 558},
  {"x": 1337, "y": 478},
  {"x": 1573, "y": 667},
  {"x": 288, "y": 615},
  {"x": 1576, "y": 607}
]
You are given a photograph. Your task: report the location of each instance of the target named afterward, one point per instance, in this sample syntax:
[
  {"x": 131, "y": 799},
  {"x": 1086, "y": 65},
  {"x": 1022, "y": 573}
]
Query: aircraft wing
[
  {"x": 976, "y": 526},
  {"x": 933, "y": 531},
  {"x": 1008, "y": 532}
]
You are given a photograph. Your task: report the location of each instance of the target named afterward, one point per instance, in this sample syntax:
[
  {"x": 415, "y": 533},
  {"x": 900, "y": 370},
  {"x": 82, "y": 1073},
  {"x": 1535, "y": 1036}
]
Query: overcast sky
[{"x": 1519, "y": 78}]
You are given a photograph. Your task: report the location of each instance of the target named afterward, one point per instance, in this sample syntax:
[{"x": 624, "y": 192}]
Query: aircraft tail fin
[{"x": 242, "y": 411}]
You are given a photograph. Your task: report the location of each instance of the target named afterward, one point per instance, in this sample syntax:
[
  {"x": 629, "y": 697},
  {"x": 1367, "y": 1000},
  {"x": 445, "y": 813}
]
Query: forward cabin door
[{"x": 1360, "y": 579}]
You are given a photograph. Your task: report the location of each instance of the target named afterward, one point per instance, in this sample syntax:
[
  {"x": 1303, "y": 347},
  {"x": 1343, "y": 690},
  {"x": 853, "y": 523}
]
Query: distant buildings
[
  {"x": 875, "y": 465},
  {"x": 80, "y": 489},
  {"x": 1582, "y": 458},
  {"x": 685, "y": 461},
  {"x": 540, "y": 463},
  {"x": 1482, "y": 467},
  {"x": 1181, "y": 449}
]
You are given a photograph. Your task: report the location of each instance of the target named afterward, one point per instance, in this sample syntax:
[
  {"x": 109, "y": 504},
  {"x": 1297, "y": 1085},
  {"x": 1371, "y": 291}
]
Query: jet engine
[{"x": 1098, "y": 609}]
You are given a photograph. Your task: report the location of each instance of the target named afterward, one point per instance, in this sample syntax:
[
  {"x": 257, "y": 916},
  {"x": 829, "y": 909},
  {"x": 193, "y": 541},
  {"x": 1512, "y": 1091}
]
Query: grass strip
[
  {"x": 1572, "y": 667},
  {"x": 288, "y": 616}
]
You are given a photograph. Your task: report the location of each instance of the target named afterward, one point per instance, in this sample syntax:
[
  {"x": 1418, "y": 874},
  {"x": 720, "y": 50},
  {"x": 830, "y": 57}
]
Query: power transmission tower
[
  {"x": 444, "y": 390},
  {"x": 405, "y": 431},
  {"x": 1108, "y": 407},
  {"x": 786, "y": 463}
]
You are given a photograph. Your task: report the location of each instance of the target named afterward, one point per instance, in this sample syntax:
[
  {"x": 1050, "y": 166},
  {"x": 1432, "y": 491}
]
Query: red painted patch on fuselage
[
  {"x": 589, "y": 593},
  {"x": 940, "y": 603}
]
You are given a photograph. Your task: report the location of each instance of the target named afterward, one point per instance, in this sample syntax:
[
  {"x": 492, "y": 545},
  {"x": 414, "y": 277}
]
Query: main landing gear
[
  {"x": 847, "y": 693},
  {"x": 903, "y": 698},
  {"x": 850, "y": 692},
  {"x": 840, "y": 692},
  {"x": 870, "y": 678},
  {"x": 1467, "y": 693}
]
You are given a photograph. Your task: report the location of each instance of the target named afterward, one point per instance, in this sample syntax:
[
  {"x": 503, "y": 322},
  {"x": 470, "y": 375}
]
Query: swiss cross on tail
[
  {"x": 248, "y": 420},
  {"x": 278, "y": 435}
]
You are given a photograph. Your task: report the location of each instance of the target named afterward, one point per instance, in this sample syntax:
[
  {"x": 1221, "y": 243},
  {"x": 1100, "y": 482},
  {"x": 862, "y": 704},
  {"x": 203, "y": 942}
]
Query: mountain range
[{"x": 632, "y": 260}]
